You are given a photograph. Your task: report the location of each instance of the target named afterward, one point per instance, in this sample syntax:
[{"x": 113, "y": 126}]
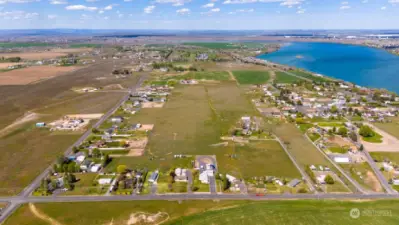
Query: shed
[{"x": 293, "y": 183}]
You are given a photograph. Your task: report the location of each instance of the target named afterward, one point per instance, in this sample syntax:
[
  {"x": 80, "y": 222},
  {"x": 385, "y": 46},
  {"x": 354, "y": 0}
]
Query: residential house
[{"x": 181, "y": 175}]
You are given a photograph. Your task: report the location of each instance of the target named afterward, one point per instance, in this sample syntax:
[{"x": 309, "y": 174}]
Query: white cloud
[
  {"x": 239, "y": 1},
  {"x": 291, "y": 3},
  {"x": 232, "y": 13},
  {"x": 127, "y": 0},
  {"x": 301, "y": 11},
  {"x": 173, "y": 2},
  {"x": 51, "y": 16},
  {"x": 365, "y": 1},
  {"x": 245, "y": 10},
  {"x": 101, "y": 11},
  {"x": 393, "y": 1},
  {"x": 16, "y": 15},
  {"x": 209, "y": 5},
  {"x": 17, "y": 1},
  {"x": 344, "y": 7},
  {"x": 183, "y": 11},
  {"x": 58, "y": 2},
  {"x": 383, "y": 8},
  {"x": 215, "y": 10},
  {"x": 149, "y": 9},
  {"x": 108, "y": 7},
  {"x": 81, "y": 7},
  {"x": 344, "y": 3}
]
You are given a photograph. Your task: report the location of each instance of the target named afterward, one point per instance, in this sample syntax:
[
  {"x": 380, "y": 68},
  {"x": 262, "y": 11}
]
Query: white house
[
  {"x": 341, "y": 159},
  {"x": 395, "y": 181},
  {"x": 204, "y": 176},
  {"x": 80, "y": 158},
  {"x": 231, "y": 178},
  {"x": 95, "y": 168},
  {"x": 321, "y": 178},
  {"x": 104, "y": 181},
  {"x": 181, "y": 175}
]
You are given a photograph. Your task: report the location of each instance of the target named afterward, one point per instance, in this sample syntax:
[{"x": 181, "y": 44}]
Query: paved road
[
  {"x": 305, "y": 176},
  {"x": 212, "y": 185}
]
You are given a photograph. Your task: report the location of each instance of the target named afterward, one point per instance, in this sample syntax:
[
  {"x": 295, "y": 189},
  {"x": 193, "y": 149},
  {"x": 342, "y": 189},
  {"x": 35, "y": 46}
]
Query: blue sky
[{"x": 200, "y": 14}]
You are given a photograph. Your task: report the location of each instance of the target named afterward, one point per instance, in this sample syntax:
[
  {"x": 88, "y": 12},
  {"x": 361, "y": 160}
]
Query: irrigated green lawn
[
  {"x": 377, "y": 138},
  {"x": 214, "y": 45},
  {"x": 204, "y": 75},
  {"x": 282, "y": 77},
  {"x": 309, "y": 212},
  {"x": 381, "y": 156},
  {"x": 309, "y": 76},
  {"x": 251, "y": 77}
]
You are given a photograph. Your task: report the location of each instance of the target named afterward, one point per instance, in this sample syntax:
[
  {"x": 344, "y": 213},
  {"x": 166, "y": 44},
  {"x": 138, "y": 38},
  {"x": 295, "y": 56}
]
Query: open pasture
[
  {"x": 33, "y": 74},
  {"x": 309, "y": 212},
  {"x": 251, "y": 77}
]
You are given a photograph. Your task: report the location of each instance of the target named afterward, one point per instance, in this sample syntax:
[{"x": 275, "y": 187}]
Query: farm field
[
  {"x": 23, "y": 45},
  {"x": 33, "y": 74},
  {"x": 27, "y": 150},
  {"x": 207, "y": 75},
  {"x": 53, "y": 53},
  {"x": 251, "y": 77},
  {"x": 207, "y": 212},
  {"x": 258, "y": 158},
  {"x": 282, "y": 77},
  {"x": 208, "y": 111}
]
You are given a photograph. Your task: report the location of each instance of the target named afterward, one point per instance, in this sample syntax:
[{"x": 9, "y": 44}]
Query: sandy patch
[
  {"x": 152, "y": 104},
  {"x": 147, "y": 218},
  {"x": 136, "y": 152},
  {"x": 145, "y": 127},
  {"x": 86, "y": 116},
  {"x": 137, "y": 144},
  {"x": 33, "y": 74},
  {"x": 220, "y": 144},
  {"x": 42, "y": 216},
  {"x": 372, "y": 180},
  {"x": 389, "y": 142},
  {"x": 6, "y": 65},
  {"x": 113, "y": 87},
  {"x": 26, "y": 118}
]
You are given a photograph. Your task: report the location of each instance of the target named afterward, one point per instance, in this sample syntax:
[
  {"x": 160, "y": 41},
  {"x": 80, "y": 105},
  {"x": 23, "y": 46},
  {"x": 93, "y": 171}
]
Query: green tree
[
  {"x": 96, "y": 153},
  {"x": 343, "y": 131},
  {"x": 353, "y": 136},
  {"x": 329, "y": 180},
  {"x": 71, "y": 167},
  {"x": 75, "y": 149},
  {"x": 334, "y": 109},
  {"x": 366, "y": 131},
  {"x": 121, "y": 168},
  {"x": 226, "y": 183}
]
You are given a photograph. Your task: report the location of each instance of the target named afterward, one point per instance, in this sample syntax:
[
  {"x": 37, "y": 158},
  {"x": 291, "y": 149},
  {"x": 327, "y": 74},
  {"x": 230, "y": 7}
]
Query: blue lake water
[{"x": 361, "y": 65}]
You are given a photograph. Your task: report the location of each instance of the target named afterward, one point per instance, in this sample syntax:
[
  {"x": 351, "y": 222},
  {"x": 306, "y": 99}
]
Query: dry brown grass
[
  {"x": 33, "y": 74},
  {"x": 53, "y": 53}
]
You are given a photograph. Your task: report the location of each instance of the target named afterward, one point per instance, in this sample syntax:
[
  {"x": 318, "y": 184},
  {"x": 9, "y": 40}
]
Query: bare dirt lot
[
  {"x": 389, "y": 142},
  {"x": 86, "y": 116},
  {"x": 6, "y": 65},
  {"x": 33, "y": 74},
  {"x": 53, "y": 53},
  {"x": 152, "y": 104}
]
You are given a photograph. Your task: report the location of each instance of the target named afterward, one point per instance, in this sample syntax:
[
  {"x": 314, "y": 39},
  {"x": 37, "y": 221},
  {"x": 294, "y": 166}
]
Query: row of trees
[{"x": 10, "y": 59}]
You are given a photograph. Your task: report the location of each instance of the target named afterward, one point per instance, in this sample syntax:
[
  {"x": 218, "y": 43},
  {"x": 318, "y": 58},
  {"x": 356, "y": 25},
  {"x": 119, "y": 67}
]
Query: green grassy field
[
  {"x": 259, "y": 158},
  {"x": 207, "y": 75},
  {"x": 282, "y": 77},
  {"x": 381, "y": 156},
  {"x": 377, "y": 138},
  {"x": 309, "y": 76},
  {"x": 209, "y": 212},
  {"x": 193, "y": 119},
  {"x": 84, "y": 45},
  {"x": 214, "y": 45},
  {"x": 391, "y": 128},
  {"x": 251, "y": 77},
  {"x": 23, "y": 44}
]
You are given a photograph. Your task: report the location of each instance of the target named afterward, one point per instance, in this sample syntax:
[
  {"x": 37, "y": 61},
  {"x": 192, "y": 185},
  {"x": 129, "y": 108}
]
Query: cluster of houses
[
  {"x": 343, "y": 98},
  {"x": 67, "y": 124}
]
